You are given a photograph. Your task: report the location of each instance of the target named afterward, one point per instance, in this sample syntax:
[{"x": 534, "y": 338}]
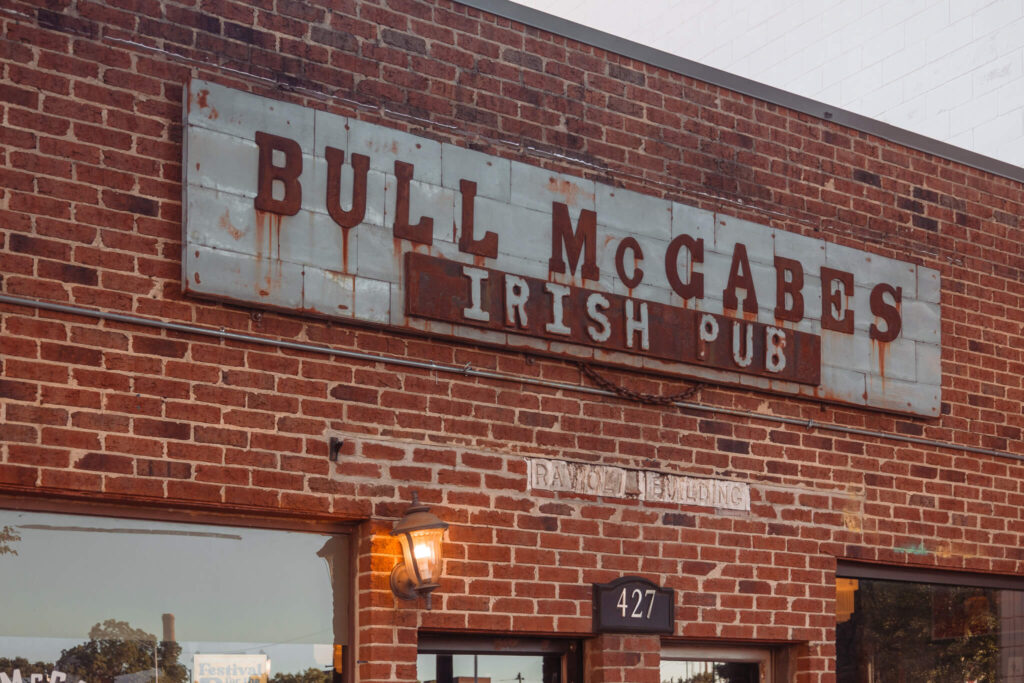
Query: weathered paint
[{"x": 414, "y": 195}]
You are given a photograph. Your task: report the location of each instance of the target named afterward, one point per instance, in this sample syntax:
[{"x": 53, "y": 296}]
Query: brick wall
[{"x": 90, "y": 215}]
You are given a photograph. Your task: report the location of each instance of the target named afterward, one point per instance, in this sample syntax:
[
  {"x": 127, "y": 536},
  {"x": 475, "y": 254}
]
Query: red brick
[
  {"x": 194, "y": 491},
  {"x": 104, "y": 462},
  {"x": 165, "y": 429},
  {"x": 18, "y": 391}
]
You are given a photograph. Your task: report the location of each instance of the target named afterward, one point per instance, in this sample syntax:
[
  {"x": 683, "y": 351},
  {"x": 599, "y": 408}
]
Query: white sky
[{"x": 949, "y": 69}]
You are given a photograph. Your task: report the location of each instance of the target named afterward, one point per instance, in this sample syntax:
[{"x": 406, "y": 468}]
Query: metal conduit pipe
[{"x": 469, "y": 371}]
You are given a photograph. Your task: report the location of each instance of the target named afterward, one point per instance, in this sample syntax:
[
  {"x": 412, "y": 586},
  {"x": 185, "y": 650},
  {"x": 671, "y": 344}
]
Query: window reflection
[
  {"x": 902, "y": 632},
  {"x": 105, "y": 600},
  {"x": 693, "y": 671},
  {"x": 488, "y": 669}
]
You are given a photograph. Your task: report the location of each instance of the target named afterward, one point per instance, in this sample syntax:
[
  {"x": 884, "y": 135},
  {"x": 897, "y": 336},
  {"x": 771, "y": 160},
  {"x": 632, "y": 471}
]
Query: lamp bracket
[
  {"x": 401, "y": 583},
  {"x": 404, "y": 589}
]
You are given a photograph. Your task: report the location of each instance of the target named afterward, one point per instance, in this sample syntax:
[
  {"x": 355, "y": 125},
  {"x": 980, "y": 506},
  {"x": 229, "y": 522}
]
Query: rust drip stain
[
  {"x": 225, "y": 223},
  {"x": 881, "y": 348},
  {"x": 275, "y": 227},
  {"x": 261, "y": 222},
  {"x": 344, "y": 250},
  {"x": 398, "y": 256},
  {"x": 569, "y": 191},
  {"x": 195, "y": 276},
  {"x": 264, "y": 247}
]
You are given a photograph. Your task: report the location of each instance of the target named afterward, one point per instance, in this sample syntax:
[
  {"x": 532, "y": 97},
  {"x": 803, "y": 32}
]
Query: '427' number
[{"x": 635, "y": 599}]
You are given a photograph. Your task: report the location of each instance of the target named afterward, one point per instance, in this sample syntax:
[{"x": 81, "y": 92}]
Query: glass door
[
  {"x": 690, "y": 664},
  {"x": 469, "y": 659}
]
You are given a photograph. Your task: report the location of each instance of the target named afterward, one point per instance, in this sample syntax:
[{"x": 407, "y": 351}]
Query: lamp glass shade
[{"x": 422, "y": 551}]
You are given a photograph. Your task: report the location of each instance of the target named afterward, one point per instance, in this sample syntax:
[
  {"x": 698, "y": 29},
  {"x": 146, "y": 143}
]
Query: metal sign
[
  {"x": 633, "y": 605},
  {"x": 297, "y": 209}
]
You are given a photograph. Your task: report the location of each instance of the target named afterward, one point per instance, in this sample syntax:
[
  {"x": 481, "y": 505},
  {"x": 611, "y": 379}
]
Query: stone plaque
[{"x": 616, "y": 482}]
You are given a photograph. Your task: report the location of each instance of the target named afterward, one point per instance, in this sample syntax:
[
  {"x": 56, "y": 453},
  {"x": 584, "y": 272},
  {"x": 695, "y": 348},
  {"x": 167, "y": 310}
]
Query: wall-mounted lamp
[{"x": 420, "y": 533}]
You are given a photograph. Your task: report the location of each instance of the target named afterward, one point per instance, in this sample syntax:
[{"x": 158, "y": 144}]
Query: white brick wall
[{"x": 949, "y": 69}]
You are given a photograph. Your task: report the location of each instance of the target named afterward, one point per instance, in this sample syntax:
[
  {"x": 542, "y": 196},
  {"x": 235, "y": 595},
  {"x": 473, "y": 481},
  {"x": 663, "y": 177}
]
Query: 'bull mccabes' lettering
[
  {"x": 358, "y": 222},
  {"x": 574, "y": 249}
]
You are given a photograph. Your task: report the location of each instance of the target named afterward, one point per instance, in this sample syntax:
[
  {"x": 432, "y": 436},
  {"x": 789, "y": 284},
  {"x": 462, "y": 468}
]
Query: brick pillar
[
  {"x": 614, "y": 658},
  {"x": 814, "y": 663},
  {"x": 385, "y": 628}
]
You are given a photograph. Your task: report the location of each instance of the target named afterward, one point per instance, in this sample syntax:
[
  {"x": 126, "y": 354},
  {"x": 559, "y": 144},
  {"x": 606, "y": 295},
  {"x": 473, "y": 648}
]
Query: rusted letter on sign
[
  {"x": 694, "y": 285},
  {"x": 789, "y": 300},
  {"x": 468, "y": 244},
  {"x": 740, "y": 277},
  {"x": 423, "y": 231},
  {"x": 637, "y": 277},
  {"x": 288, "y": 175},
  {"x": 836, "y": 312},
  {"x": 890, "y": 313},
  {"x": 360, "y": 166},
  {"x": 582, "y": 241}
]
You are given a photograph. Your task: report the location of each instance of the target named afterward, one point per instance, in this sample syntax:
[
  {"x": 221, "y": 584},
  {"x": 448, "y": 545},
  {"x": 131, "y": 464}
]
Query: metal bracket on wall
[{"x": 335, "y": 445}]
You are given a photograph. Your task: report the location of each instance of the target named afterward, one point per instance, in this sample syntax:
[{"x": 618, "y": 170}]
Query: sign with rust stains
[{"x": 300, "y": 210}]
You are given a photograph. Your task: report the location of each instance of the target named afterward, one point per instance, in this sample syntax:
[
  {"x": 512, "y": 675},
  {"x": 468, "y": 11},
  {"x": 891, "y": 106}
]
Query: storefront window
[
  {"x": 891, "y": 631},
  {"x": 110, "y": 600}
]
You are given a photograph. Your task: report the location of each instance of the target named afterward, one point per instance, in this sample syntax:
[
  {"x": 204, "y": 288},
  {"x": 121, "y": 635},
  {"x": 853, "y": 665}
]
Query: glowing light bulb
[{"x": 424, "y": 555}]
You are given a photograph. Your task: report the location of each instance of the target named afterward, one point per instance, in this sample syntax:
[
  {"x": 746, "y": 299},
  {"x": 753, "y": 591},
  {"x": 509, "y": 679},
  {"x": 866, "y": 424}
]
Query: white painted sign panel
[{"x": 296, "y": 209}]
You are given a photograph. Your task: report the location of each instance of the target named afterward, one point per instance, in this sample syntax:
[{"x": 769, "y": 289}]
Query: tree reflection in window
[
  {"x": 902, "y": 632},
  {"x": 114, "y": 653},
  {"x": 115, "y": 649}
]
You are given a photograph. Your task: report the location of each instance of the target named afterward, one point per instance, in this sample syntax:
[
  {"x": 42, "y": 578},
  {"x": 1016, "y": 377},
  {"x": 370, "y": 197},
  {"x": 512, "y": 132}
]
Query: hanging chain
[{"x": 639, "y": 396}]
